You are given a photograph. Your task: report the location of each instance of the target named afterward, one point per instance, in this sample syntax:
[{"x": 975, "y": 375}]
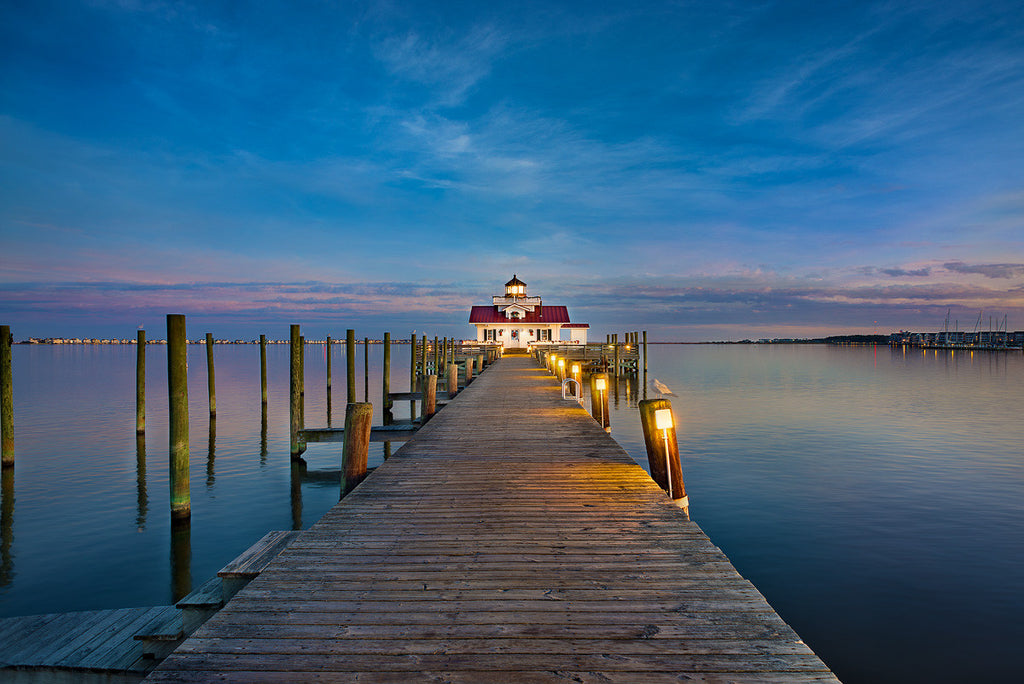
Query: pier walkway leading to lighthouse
[{"x": 511, "y": 540}]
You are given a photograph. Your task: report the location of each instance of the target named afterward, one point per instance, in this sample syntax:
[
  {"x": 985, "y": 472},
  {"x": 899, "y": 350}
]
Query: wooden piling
[
  {"x": 177, "y": 394},
  {"x": 140, "y": 382},
  {"x": 469, "y": 370},
  {"x": 437, "y": 357},
  {"x": 453, "y": 380},
  {"x": 328, "y": 365},
  {"x": 663, "y": 451},
  {"x": 295, "y": 393},
  {"x": 423, "y": 356},
  {"x": 412, "y": 376},
  {"x": 355, "y": 453},
  {"x": 645, "y": 353},
  {"x": 428, "y": 386},
  {"x": 599, "y": 399},
  {"x": 263, "y": 369},
  {"x": 350, "y": 364},
  {"x": 6, "y": 399},
  {"x": 366, "y": 369},
  {"x": 615, "y": 364},
  {"x": 386, "y": 374},
  {"x": 479, "y": 364},
  {"x": 210, "y": 374}
]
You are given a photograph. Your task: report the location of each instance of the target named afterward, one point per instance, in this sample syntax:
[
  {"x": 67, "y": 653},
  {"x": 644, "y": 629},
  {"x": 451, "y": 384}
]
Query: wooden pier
[{"x": 510, "y": 540}]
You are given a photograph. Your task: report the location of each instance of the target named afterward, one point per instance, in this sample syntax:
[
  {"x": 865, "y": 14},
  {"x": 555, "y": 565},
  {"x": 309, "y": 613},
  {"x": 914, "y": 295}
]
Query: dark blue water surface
[{"x": 874, "y": 496}]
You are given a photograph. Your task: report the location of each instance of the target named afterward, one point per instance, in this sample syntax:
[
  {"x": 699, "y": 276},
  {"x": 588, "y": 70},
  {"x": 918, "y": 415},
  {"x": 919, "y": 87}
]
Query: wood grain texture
[{"x": 510, "y": 540}]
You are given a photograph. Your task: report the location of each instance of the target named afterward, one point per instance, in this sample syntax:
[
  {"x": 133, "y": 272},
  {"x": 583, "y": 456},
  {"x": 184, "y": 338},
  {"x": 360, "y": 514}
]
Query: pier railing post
[
  {"x": 350, "y": 364},
  {"x": 428, "y": 386},
  {"x": 140, "y": 383},
  {"x": 453, "y": 380},
  {"x": 599, "y": 399},
  {"x": 479, "y": 364},
  {"x": 210, "y": 375},
  {"x": 355, "y": 453},
  {"x": 662, "y": 448},
  {"x": 295, "y": 393},
  {"x": 469, "y": 370},
  {"x": 177, "y": 394},
  {"x": 6, "y": 399}
]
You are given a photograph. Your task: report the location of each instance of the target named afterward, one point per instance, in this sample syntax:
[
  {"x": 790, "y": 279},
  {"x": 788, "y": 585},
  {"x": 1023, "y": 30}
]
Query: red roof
[
  {"x": 576, "y": 325},
  {"x": 541, "y": 315}
]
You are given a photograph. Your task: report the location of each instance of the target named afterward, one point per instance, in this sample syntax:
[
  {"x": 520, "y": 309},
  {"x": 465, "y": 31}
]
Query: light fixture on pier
[{"x": 663, "y": 421}]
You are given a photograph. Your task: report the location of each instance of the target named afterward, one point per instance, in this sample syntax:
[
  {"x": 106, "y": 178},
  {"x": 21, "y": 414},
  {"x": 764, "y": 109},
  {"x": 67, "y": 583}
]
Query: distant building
[{"x": 517, "y": 320}]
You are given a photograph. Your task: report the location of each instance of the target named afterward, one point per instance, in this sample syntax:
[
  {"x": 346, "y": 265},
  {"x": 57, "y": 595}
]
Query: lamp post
[
  {"x": 576, "y": 372},
  {"x": 602, "y": 385},
  {"x": 561, "y": 369},
  {"x": 663, "y": 422}
]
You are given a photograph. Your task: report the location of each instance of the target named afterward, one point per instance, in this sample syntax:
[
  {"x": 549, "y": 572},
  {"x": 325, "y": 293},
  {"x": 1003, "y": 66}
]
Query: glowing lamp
[
  {"x": 575, "y": 369},
  {"x": 600, "y": 384},
  {"x": 663, "y": 419},
  {"x": 561, "y": 363}
]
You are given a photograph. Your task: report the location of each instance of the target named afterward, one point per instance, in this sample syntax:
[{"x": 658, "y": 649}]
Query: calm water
[{"x": 875, "y": 497}]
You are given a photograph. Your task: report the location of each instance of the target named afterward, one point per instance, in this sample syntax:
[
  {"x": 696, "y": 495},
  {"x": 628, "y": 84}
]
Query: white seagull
[{"x": 663, "y": 388}]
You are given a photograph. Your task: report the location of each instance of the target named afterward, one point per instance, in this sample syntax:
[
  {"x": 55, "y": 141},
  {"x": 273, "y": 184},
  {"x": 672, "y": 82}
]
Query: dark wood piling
[
  {"x": 658, "y": 424},
  {"x": 423, "y": 355},
  {"x": 645, "y": 353},
  {"x": 599, "y": 399},
  {"x": 386, "y": 374},
  {"x": 328, "y": 365},
  {"x": 140, "y": 382},
  {"x": 355, "y": 453},
  {"x": 412, "y": 376},
  {"x": 6, "y": 399},
  {"x": 177, "y": 394},
  {"x": 366, "y": 369},
  {"x": 350, "y": 364},
  {"x": 469, "y": 370},
  {"x": 263, "y": 369},
  {"x": 210, "y": 375},
  {"x": 295, "y": 393}
]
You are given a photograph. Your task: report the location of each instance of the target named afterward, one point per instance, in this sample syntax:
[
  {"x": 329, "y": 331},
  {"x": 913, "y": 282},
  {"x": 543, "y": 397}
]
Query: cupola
[{"x": 515, "y": 287}]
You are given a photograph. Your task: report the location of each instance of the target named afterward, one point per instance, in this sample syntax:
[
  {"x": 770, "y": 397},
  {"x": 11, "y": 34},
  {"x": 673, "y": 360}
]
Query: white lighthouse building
[{"x": 517, "y": 320}]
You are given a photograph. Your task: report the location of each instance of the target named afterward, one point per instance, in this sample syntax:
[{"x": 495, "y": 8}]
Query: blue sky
[{"x": 700, "y": 170}]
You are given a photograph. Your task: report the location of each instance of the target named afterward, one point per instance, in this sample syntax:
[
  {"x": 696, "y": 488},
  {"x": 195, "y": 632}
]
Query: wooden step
[
  {"x": 161, "y": 634},
  {"x": 251, "y": 563},
  {"x": 201, "y": 604}
]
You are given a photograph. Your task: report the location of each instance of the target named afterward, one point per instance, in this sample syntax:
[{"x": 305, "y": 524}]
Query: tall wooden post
[
  {"x": 140, "y": 382},
  {"x": 428, "y": 386},
  {"x": 358, "y": 418},
  {"x": 453, "y": 380},
  {"x": 479, "y": 364},
  {"x": 599, "y": 399},
  {"x": 412, "y": 376},
  {"x": 444, "y": 352},
  {"x": 350, "y": 364},
  {"x": 437, "y": 357},
  {"x": 366, "y": 369},
  {"x": 469, "y": 370},
  {"x": 263, "y": 369},
  {"x": 423, "y": 355},
  {"x": 386, "y": 374},
  {"x": 302, "y": 385},
  {"x": 177, "y": 394},
  {"x": 6, "y": 399},
  {"x": 328, "y": 365},
  {"x": 645, "y": 352},
  {"x": 615, "y": 364},
  {"x": 295, "y": 393},
  {"x": 663, "y": 451},
  {"x": 210, "y": 375}
]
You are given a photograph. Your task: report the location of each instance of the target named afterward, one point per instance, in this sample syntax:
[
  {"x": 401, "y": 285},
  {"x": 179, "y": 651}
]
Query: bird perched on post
[{"x": 662, "y": 388}]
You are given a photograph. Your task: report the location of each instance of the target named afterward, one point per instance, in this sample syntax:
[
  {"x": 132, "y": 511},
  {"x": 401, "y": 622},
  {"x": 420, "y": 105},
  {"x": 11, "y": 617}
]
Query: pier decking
[{"x": 511, "y": 540}]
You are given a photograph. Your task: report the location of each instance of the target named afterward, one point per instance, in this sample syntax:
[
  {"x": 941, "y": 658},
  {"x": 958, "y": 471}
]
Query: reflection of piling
[
  {"x": 263, "y": 370},
  {"x": 355, "y": 453},
  {"x": 599, "y": 399},
  {"x": 211, "y": 454},
  {"x": 210, "y": 375},
  {"x": 428, "y": 386},
  {"x": 6, "y": 526},
  {"x": 295, "y": 393},
  {"x": 298, "y": 472},
  {"x": 141, "y": 496},
  {"x": 263, "y": 435},
  {"x": 663, "y": 449},
  {"x": 181, "y": 559},
  {"x": 140, "y": 382},
  {"x": 350, "y": 364},
  {"x": 6, "y": 399},
  {"x": 177, "y": 393}
]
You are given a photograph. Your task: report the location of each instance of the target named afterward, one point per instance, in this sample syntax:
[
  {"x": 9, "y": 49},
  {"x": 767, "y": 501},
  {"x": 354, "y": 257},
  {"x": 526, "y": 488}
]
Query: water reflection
[
  {"x": 6, "y": 526},
  {"x": 297, "y": 475},
  {"x": 263, "y": 436},
  {"x": 181, "y": 558},
  {"x": 141, "y": 496},
  {"x": 211, "y": 454}
]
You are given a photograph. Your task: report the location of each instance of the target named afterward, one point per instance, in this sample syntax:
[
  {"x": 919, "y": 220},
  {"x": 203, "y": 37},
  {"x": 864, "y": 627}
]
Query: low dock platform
[{"x": 510, "y": 540}]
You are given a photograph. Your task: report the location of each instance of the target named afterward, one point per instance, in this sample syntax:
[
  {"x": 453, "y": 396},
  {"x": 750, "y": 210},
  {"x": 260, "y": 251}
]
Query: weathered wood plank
[{"x": 509, "y": 540}]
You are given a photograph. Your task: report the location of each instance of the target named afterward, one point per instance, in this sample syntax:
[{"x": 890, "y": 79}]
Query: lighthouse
[{"x": 516, "y": 320}]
